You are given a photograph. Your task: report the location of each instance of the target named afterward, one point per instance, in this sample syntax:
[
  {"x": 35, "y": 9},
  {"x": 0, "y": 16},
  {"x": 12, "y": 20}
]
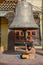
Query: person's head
[{"x": 29, "y": 46}]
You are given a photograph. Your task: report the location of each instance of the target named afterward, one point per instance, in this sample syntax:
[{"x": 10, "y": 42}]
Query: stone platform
[{"x": 10, "y": 58}]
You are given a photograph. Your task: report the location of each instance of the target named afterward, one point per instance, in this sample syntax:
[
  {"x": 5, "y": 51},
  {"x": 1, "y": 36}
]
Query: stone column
[
  {"x": 41, "y": 28},
  {"x": 0, "y": 33},
  {"x": 4, "y": 34},
  {"x": 40, "y": 23},
  {"x": 40, "y": 15}
]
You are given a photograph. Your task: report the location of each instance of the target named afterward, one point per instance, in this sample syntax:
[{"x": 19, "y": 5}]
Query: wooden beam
[{"x": 1, "y": 1}]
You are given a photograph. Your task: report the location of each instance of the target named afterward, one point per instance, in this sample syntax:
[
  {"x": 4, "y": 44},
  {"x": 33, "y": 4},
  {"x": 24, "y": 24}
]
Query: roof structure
[
  {"x": 7, "y": 5},
  {"x": 10, "y": 5},
  {"x": 7, "y": 9}
]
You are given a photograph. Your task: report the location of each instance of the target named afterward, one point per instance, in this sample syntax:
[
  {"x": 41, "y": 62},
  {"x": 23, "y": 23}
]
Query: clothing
[
  {"x": 31, "y": 53},
  {"x": 23, "y": 56}
]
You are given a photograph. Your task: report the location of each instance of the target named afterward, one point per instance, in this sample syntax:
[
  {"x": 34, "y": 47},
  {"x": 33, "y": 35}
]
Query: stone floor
[{"x": 10, "y": 58}]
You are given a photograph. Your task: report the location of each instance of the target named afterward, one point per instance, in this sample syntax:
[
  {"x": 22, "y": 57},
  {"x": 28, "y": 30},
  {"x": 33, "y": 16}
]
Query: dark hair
[{"x": 30, "y": 44}]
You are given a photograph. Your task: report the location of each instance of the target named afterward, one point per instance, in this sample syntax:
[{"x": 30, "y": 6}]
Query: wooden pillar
[
  {"x": 42, "y": 30},
  {"x": 0, "y": 33},
  {"x": 4, "y": 33}
]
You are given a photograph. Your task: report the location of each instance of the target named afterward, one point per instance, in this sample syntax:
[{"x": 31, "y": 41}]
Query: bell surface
[{"x": 24, "y": 16}]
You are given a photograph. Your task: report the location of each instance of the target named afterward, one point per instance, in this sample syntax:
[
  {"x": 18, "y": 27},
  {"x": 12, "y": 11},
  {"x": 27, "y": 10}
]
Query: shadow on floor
[
  {"x": 13, "y": 52},
  {"x": 20, "y": 51},
  {"x": 39, "y": 53}
]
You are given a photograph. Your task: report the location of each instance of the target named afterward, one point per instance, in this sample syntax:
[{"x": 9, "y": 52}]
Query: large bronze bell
[{"x": 24, "y": 16}]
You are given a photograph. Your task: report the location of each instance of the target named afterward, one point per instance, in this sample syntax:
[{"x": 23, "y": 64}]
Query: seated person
[{"x": 30, "y": 50}]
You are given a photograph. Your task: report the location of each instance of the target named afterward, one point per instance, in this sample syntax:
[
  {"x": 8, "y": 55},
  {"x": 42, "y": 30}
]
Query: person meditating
[{"x": 30, "y": 52}]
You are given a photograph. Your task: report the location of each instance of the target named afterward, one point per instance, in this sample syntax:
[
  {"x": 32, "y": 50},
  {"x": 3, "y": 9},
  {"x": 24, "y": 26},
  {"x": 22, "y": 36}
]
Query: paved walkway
[{"x": 11, "y": 59}]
